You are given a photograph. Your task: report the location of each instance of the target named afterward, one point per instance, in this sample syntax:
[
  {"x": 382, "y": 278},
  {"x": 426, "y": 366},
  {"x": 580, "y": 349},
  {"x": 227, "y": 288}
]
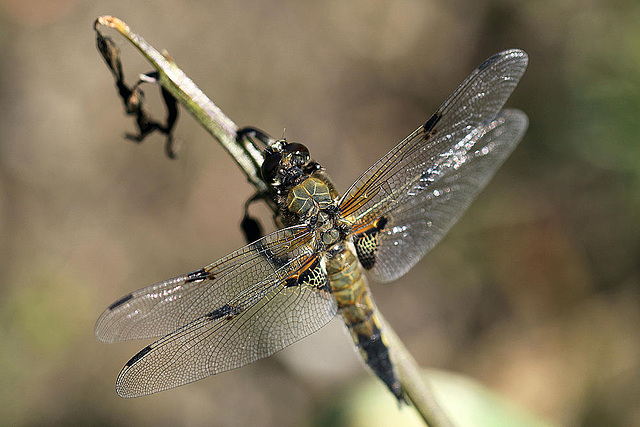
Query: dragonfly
[{"x": 288, "y": 284}]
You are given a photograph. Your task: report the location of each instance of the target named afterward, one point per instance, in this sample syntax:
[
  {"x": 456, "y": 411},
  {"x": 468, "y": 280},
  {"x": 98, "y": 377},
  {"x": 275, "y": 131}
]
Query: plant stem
[
  {"x": 419, "y": 391},
  {"x": 250, "y": 159}
]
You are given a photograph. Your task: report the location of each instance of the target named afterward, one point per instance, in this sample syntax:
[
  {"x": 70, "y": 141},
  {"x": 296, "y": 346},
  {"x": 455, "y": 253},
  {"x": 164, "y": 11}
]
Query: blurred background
[{"x": 534, "y": 293}]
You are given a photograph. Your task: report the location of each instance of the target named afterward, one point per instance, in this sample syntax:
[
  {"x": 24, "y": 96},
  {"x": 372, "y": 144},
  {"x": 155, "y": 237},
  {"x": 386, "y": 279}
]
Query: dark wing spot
[
  {"x": 224, "y": 311},
  {"x": 433, "y": 120},
  {"x": 197, "y": 275},
  {"x": 381, "y": 223},
  {"x": 121, "y": 301},
  {"x": 276, "y": 261},
  {"x": 366, "y": 243},
  {"x": 138, "y": 356},
  {"x": 487, "y": 62},
  {"x": 303, "y": 275},
  {"x": 291, "y": 281}
]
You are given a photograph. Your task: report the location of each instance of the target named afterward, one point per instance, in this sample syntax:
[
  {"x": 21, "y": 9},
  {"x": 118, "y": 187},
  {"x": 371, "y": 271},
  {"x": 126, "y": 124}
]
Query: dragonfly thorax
[
  {"x": 310, "y": 198},
  {"x": 314, "y": 203},
  {"x": 303, "y": 192}
]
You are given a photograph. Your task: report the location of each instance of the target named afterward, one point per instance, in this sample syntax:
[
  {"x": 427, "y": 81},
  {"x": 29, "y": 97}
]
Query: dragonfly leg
[
  {"x": 250, "y": 226},
  {"x": 253, "y": 132}
]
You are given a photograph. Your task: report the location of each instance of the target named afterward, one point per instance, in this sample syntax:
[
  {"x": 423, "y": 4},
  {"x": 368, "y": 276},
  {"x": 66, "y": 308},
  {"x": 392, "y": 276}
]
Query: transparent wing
[
  {"x": 162, "y": 308},
  {"x": 424, "y": 211},
  {"x": 405, "y": 203},
  {"x": 292, "y": 303}
]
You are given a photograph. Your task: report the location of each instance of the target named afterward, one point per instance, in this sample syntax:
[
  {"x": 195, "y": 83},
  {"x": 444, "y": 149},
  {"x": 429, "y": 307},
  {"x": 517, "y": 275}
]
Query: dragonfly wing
[
  {"x": 268, "y": 316},
  {"x": 160, "y": 309},
  {"x": 405, "y": 203},
  {"x": 422, "y": 216}
]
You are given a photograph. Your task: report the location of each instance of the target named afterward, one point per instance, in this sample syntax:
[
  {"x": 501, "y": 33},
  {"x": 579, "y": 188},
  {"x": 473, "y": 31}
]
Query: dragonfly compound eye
[
  {"x": 294, "y": 147},
  {"x": 270, "y": 166},
  {"x": 298, "y": 153}
]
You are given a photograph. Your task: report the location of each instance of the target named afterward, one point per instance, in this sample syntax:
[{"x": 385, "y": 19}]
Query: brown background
[{"x": 535, "y": 292}]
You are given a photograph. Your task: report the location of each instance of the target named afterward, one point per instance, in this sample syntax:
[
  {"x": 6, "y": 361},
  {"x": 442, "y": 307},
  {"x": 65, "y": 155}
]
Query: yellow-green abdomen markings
[{"x": 358, "y": 312}]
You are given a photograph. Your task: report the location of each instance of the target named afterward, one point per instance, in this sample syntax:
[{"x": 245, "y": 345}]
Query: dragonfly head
[{"x": 286, "y": 164}]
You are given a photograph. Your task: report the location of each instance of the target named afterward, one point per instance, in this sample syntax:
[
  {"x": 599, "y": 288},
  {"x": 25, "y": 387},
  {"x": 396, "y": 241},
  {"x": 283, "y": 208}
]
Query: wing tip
[
  {"x": 123, "y": 384},
  {"x": 510, "y": 54},
  {"x": 126, "y": 393},
  {"x": 106, "y": 328},
  {"x": 101, "y": 331},
  {"x": 515, "y": 53},
  {"x": 516, "y": 115}
]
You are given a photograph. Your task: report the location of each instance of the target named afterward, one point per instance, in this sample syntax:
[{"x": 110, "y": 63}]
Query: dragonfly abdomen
[{"x": 358, "y": 312}]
